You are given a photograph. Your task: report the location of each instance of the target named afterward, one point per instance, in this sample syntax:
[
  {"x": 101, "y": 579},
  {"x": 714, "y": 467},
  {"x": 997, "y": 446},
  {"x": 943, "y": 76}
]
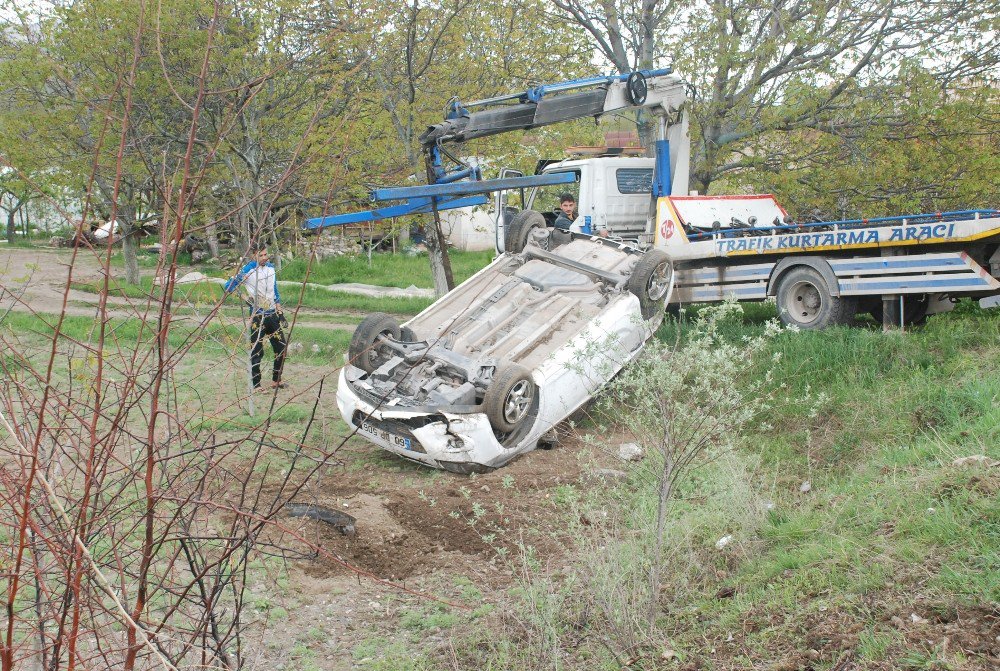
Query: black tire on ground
[
  {"x": 364, "y": 351},
  {"x": 914, "y": 310},
  {"x": 650, "y": 282},
  {"x": 804, "y": 301},
  {"x": 509, "y": 398},
  {"x": 519, "y": 230}
]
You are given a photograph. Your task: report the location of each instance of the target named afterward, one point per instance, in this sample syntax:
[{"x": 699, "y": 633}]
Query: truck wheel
[
  {"x": 509, "y": 397},
  {"x": 365, "y": 351},
  {"x": 520, "y": 229},
  {"x": 651, "y": 282},
  {"x": 914, "y": 310},
  {"x": 804, "y": 301}
]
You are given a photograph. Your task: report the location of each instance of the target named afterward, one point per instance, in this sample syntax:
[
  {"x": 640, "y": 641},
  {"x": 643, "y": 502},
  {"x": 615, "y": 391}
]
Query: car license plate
[{"x": 390, "y": 439}]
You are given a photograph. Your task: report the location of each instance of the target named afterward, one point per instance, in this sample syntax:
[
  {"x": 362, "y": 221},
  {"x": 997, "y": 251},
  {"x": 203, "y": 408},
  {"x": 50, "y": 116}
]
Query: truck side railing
[{"x": 844, "y": 224}]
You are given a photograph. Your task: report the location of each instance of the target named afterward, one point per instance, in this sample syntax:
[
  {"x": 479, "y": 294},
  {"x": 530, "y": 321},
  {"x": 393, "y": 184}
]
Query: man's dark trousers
[{"x": 266, "y": 326}]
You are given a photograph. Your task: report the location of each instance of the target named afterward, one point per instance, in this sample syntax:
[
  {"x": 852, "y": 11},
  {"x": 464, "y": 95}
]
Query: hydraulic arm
[{"x": 461, "y": 185}]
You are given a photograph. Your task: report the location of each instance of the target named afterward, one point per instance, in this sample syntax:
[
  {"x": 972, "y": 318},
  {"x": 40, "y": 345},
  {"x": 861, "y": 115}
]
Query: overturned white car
[{"x": 487, "y": 371}]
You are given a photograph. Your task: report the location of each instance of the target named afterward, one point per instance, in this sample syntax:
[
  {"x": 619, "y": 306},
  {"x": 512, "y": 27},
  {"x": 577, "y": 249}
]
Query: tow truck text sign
[{"x": 870, "y": 236}]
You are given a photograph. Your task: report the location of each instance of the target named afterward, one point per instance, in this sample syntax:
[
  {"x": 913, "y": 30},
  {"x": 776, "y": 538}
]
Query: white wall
[{"x": 469, "y": 228}]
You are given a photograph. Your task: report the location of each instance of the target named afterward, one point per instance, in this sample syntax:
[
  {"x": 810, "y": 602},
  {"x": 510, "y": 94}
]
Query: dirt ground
[{"x": 441, "y": 535}]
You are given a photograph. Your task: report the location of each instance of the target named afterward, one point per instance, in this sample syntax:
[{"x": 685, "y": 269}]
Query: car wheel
[
  {"x": 914, "y": 310},
  {"x": 651, "y": 282},
  {"x": 805, "y": 301},
  {"x": 365, "y": 351},
  {"x": 509, "y": 398},
  {"x": 406, "y": 334},
  {"x": 520, "y": 228}
]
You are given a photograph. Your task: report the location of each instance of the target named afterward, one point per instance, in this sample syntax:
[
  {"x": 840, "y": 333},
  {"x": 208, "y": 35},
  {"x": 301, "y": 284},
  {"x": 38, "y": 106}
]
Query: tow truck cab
[{"x": 611, "y": 192}]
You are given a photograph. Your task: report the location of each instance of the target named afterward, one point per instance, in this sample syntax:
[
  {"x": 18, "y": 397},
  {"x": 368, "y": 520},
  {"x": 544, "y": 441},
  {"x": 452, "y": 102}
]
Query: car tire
[
  {"x": 509, "y": 398},
  {"x": 364, "y": 351},
  {"x": 804, "y": 300},
  {"x": 651, "y": 282},
  {"x": 914, "y": 310},
  {"x": 406, "y": 334},
  {"x": 520, "y": 228}
]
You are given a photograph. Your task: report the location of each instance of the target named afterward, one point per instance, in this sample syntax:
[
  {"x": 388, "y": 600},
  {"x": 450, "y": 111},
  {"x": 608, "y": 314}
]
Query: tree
[
  {"x": 15, "y": 193},
  {"x": 749, "y": 64},
  {"x": 908, "y": 146},
  {"x": 432, "y": 52},
  {"x": 686, "y": 403}
]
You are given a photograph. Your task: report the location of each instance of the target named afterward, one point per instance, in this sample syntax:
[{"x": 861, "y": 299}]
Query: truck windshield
[{"x": 546, "y": 198}]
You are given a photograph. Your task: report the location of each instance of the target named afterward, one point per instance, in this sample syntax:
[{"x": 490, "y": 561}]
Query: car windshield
[{"x": 546, "y": 198}]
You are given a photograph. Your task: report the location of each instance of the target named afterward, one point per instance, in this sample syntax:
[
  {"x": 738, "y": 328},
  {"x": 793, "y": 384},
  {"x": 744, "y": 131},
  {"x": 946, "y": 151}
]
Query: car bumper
[{"x": 451, "y": 441}]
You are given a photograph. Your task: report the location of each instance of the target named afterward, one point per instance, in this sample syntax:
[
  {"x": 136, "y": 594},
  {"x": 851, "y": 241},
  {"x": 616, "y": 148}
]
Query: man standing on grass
[{"x": 266, "y": 316}]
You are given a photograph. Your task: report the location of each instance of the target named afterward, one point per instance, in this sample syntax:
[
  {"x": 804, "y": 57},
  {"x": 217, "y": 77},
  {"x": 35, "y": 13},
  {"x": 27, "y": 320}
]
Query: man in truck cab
[{"x": 567, "y": 212}]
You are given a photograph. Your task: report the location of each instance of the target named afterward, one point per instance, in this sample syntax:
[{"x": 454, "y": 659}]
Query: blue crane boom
[{"x": 462, "y": 185}]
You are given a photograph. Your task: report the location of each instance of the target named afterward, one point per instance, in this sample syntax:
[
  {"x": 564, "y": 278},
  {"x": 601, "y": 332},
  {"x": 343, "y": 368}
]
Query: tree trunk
[
  {"x": 275, "y": 252},
  {"x": 130, "y": 250},
  {"x": 10, "y": 226},
  {"x": 212, "y": 238},
  {"x": 437, "y": 251},
  {"x": 664, "y": 491},
  {"x": 437, "y": 247}
]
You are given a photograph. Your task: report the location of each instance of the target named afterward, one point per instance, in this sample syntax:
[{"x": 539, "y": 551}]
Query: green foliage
[
  {"x": 890, "y": 525},
  {"x": 908, "y": 146}
]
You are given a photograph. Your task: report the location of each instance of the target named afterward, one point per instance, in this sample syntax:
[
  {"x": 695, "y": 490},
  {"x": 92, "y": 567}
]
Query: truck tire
[
  {"x": 651, "y": 282},
  {"x": 509, "y": 398},
  {"x": 914, "y": 310},
  {"x": 804, "y": 301},
  {"x": 520, "y": 228},
  {"x": 364, "y": 351}
]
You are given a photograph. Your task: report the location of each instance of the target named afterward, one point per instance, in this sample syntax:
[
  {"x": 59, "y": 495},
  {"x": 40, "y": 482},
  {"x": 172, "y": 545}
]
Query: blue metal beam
[
  {"x": 414, "y": 206},
  {"x": 471, "y": 188}
]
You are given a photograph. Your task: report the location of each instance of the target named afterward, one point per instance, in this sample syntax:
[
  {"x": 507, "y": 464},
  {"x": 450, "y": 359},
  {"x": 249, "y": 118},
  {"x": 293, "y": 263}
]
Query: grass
[
  {"x": 889, "y": 527},
  {"x": 389, "y": 270},
  {"x": 318, "y": 344}
]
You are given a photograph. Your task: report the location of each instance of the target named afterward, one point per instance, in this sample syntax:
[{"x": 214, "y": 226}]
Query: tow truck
[
  {"x": 820, "y": 273},
  {"x": 747, "y": 247}
]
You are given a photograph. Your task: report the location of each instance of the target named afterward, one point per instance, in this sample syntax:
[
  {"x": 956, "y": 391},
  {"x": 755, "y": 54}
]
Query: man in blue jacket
[{"x": 259, "y": 280}]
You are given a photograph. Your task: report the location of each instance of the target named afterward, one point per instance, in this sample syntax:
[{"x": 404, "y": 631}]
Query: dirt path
[{"x": 33, "y": 280}]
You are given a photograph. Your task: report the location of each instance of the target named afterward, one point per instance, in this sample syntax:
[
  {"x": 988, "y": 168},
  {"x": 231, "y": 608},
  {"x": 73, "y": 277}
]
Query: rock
[
  {"x": 629, "y": 452},
  {"x": 725, "y": 593},
  {"x": 609, "y": 474},
  {"x": 485, "y": 488},
  {"x": 723, "y": 542},
  {"x": 916, "y": 619},
  {"x": 805, "y": 487},
  {"x": 191, "y": 278},
  {"x": 974, "y": 460},
  {"x": 897, "y": 621}
]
